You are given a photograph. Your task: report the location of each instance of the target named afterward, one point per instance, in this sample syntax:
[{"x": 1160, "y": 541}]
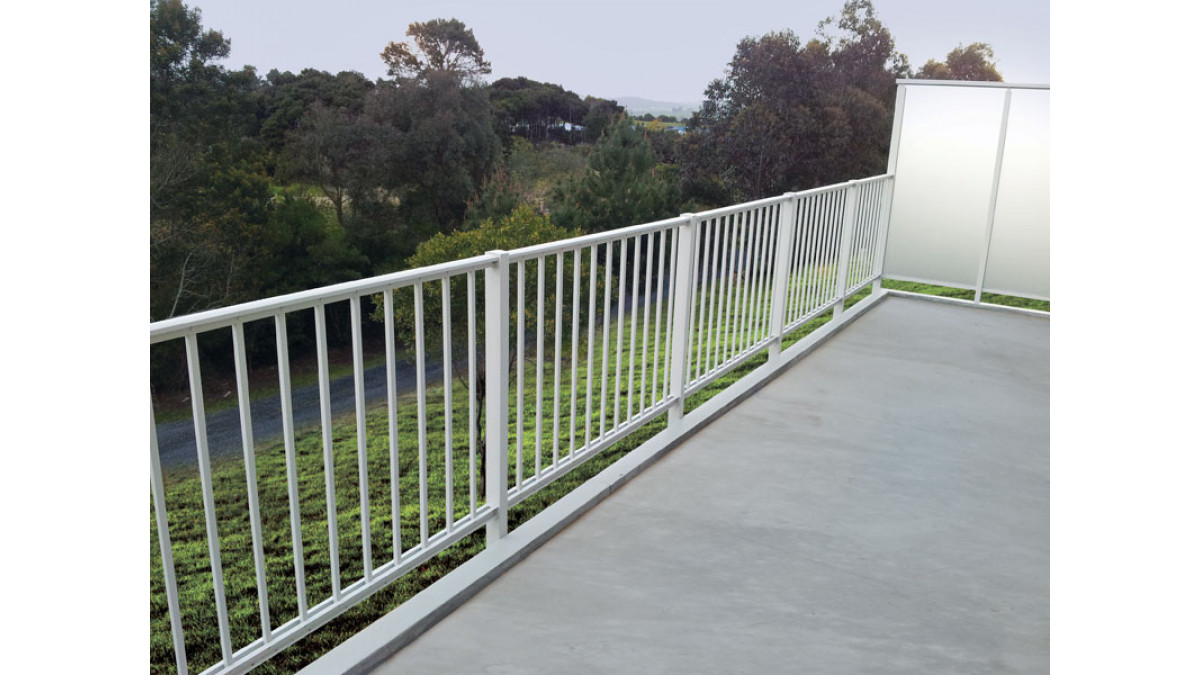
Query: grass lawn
[{"x": 967, "y": 294}]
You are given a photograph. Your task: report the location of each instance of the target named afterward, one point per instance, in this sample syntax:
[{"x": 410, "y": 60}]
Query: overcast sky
[{"x": 667, "y": 50}]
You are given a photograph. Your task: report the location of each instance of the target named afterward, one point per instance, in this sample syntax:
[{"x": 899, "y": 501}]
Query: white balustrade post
[
  {"x": 893, "y": 162},
  {"x": 846, "y": 237},
  {"x": 686, "y": 242},
  {"x": 495, "y": 280},
  {"x": 783, "y": 274},
  {"x": 885, "y": 221}
]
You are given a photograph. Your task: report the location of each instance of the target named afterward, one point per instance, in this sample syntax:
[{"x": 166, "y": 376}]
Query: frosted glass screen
[
  {"x": 1019, "y": 254},
  {"x": 944, "y": 171}
]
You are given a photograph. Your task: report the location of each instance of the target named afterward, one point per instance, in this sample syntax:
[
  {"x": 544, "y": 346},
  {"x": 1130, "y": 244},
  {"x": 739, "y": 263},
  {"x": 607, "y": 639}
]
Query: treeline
[{"x": 265, "y": 185}]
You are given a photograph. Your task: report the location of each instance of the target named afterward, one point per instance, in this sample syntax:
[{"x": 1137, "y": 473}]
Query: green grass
[
  {"x": 187, "y": 524},
  {"x": 967, "y": 294}
]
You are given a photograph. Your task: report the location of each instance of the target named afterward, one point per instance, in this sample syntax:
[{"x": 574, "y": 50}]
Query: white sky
[{"x": 664, "y": 50}]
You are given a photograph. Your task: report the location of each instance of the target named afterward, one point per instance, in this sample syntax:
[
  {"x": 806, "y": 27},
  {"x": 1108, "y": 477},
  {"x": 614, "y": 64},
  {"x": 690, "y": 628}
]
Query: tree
[
  {"x": 333, "y": 149},
  {"x": 601, "y": 113},
  {"x": 208, "y": 196},
  {"x": 624, "y": 185},
  {"x": 287, "y": 96},
  {"x": 522, "y": 227},
  {"x": 182, "y": 56},
  {"x": 440, "y": 45},
  {"x": 437, "y": 145},
  {"x": 537, "y": 111},
  {"x": 973, "y": 62},
  {"x": 789, "y": 115}
]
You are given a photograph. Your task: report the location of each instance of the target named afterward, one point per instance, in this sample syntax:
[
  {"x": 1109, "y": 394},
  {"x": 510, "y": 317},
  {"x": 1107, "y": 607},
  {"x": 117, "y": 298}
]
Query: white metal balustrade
[{"x": 608, "y": 332}]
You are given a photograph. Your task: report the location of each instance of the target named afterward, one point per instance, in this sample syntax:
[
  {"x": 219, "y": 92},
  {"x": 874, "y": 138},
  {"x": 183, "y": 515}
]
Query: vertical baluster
[
  {"x": 360, "y": 412},
  {"x": 472, "y": 376},
  {"x": 158, "y": 494},
  {"x": 736, "y": 274},
  {"x": 731, "y": 281},
  {"x": 206, "y": 487},
  {"x": 749, "y": 311},
  {"x": 633, "y": 300},
  {"x": 591, "y": 340},
  {"x": 422, "y": 437},
  {"x": 714, "y": 325},
  {"x": 256, "y": 537},
  {"x": 604, "y": 353},
  {"x": 558, "y": 305},
  {"x": 658, "y": 304},
  {"x": 389, "y": 346},
  {"x": 724, "y": 300},
  {"x": 289, "y": 450},
  {"x": 762, "y": 248},
  {"x": 744, "y": 275},
  {"x": 327, "y": 446},
  {"x": 541, "y": 363},
  {"x": 520, "y": 347},
  {"x": 448, "y": 400},
  {"x": 622, "y": 272},
  {"x": 828, "y": 215},
  {"x": 697, "y": 316},
  {"x": 805, "y": 256},
  {"x": 744, "y": 310},
  {"x": 577, "y": 265},
  {"x": 645, "y": 294},
  {"x": 718, "y": 282}
]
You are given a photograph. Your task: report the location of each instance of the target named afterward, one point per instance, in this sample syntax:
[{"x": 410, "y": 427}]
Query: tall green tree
[
  {"x": 333, "y": 149},
  {"x": 625, "y": 185},
  {"x": 435, "y": 147},
  {"x": 976, "y": 62},
  {"x": 438, "y": 46},
  {"x": 209, "y": 199},
  {"x": 790, "y": 115},
  {"x": 536, "y": 111},
  {"x": 287, "y": 96}
]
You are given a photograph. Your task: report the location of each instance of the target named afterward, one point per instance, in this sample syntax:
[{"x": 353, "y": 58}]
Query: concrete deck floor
[{"x": 881, "y": 507}]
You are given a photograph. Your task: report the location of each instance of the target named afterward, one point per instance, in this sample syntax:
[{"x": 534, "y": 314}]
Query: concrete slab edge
[
  {"x": 391, "y": 633},
  {"x": 968, "y": 303}
]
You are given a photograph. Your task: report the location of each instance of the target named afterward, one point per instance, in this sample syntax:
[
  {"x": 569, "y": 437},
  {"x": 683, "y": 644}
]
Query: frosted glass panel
[
  {"x": 1019, "y": 255},
  {"x": 944, "y": 173}
]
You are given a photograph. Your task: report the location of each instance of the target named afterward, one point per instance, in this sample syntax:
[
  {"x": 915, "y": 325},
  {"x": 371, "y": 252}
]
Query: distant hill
[{"x": 635, "y": 106}]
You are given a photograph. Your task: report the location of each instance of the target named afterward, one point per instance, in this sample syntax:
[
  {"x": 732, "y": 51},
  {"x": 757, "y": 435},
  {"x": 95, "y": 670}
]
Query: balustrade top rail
[{"x": 223, "y": 317}]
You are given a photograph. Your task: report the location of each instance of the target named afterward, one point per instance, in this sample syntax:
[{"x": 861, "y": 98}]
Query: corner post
[
  {"x": 783, "y": 274},
  {"x": 893, "y": 162},
  {"x": 496, "y": 293},
  {"x": 681, "y": 329}
]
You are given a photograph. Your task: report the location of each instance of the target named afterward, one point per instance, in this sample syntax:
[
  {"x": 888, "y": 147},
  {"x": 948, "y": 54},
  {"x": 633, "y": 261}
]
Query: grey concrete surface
[{"x": 882, "y": 507}]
